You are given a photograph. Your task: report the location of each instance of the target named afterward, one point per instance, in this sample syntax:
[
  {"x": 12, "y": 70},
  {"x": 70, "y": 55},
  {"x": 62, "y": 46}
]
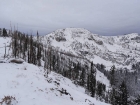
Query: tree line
[{"x": 125, "y": 84}]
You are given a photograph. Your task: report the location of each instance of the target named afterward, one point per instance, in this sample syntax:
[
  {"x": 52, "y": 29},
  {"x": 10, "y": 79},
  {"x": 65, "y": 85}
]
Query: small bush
[{"x": 8, "y": 100}]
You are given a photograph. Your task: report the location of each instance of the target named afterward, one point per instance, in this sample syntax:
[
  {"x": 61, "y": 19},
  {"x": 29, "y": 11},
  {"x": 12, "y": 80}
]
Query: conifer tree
[
  {"x": 4, "y": 32},
  {"x": 123, "y": 94},
  {"x": 50, "y": 59},
  {"x": 15, "y": 44},
  {"x": 45, "y": 67},
  {"x": 39, "y": 55},
  {"x": 93, "y": 85},
  {"x": 88, "y": 83},
  {"x": 93, "y": 80},
  {"x": 112, "y": 97},
  {"x": 53, "y": 62},
  {"x": 112, "y": 75},
  {"x": 28, "y": 56},
  {"x": 37, "y": 37},
  {"x": 82, "y": 78},
  {"x": 31, "y": 49}
]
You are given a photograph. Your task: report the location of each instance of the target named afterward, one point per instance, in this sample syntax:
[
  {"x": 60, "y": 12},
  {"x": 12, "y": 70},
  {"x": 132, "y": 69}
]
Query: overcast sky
[{"x": 103, "y": 17}]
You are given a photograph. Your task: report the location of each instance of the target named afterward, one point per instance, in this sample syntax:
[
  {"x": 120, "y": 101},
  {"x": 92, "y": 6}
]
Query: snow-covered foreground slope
[
  {"x": 26, "y": 82},
  {"x": 121, "y": 51}
]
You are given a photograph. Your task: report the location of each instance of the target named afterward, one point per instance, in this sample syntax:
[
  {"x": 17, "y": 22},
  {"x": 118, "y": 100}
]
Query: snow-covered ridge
[{"x": 122, "y": 50}]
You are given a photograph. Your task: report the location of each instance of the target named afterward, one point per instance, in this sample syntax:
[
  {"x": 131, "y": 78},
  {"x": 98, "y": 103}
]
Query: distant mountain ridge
[{"x": 121, "y": 51}]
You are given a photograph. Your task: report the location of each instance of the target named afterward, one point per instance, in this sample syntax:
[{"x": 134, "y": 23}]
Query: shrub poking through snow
[{"x": 8, "y": 100}]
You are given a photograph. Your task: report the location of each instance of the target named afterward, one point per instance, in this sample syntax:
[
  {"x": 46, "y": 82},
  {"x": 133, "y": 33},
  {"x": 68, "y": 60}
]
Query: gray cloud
[{"x": 108, "y": 17}]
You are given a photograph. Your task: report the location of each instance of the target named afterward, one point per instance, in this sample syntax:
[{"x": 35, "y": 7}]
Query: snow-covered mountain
[
  {"x": 121, "y": 51},
  {"x": 25, "y": 84}
]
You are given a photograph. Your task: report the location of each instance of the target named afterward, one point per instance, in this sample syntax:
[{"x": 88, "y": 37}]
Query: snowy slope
[
  {"x": 28, "y": 85},
  {"x": 26, "y": 82},
  {"x": 121, "y": 51}
]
